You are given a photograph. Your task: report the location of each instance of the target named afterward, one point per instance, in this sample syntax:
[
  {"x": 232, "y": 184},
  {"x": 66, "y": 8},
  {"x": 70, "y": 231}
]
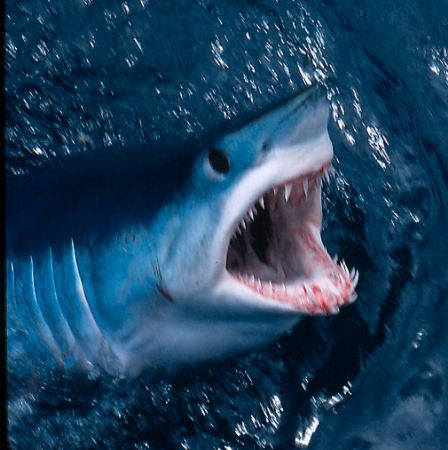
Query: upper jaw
[
  {"x": 291, "y": 185},
  {"x": 292, "y": 190}
]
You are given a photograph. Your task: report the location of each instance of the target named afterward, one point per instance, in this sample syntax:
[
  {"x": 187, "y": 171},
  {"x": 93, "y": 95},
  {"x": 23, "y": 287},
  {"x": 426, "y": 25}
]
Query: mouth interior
[{"x": 276, "y": 250}]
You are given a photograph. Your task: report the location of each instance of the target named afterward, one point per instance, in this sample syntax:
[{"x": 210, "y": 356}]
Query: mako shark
[{"x": 225, "y": 264}]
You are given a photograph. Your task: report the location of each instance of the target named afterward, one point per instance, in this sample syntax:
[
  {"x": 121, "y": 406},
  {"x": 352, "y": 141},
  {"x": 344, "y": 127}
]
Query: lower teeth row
[{"x": 352, "y": 275}]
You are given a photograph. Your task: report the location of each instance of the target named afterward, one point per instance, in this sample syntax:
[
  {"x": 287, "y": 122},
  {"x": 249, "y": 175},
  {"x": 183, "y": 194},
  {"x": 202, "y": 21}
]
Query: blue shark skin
[{"x": 133, "y": 273}]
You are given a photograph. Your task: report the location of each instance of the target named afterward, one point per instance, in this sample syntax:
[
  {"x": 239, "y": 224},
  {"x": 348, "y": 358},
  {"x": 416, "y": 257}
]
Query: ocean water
[{"x": 162, "y": 76}]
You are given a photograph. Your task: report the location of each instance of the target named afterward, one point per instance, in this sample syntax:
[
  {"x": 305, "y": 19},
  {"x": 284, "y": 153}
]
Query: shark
[{"x": 227, "y": 261}]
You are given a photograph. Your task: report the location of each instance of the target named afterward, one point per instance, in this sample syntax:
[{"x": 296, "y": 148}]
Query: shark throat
[{"x": 277, "y": 252}]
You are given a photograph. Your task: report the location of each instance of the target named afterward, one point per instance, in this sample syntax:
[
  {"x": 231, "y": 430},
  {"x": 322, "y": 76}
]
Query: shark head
[{"x": 247, "y": 242}]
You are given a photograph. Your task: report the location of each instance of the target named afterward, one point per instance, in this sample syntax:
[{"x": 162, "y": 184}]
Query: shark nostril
[{"x": 219, "y": 161}]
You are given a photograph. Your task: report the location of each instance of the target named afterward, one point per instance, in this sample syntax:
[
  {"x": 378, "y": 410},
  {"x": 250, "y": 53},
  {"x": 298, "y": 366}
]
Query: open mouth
[{"x": 276, "y": 249}]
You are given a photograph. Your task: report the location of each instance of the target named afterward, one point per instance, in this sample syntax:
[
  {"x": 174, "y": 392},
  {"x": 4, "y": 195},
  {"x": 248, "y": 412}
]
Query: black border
[{"x": 3, "y": 373}]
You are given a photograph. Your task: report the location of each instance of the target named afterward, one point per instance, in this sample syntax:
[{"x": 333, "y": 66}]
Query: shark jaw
[{"x": 276, "y": 255}]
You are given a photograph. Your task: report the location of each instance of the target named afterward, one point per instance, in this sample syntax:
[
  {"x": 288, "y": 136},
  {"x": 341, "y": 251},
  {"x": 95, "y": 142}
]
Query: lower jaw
[{"x": 323, "y": 288}]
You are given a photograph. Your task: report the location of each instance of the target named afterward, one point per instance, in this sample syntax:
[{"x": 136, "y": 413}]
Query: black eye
[{"x": 219, "y": 161}]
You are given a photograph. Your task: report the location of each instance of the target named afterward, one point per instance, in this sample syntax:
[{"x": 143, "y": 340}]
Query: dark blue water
[{"x": 95, "y": 76}]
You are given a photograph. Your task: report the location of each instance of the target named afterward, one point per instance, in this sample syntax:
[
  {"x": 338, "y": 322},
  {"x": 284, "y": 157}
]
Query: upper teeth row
[{"x": 287, "y": 189}]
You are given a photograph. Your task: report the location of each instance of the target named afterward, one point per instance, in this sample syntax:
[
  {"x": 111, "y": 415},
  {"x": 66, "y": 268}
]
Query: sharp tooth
[
  {"x": 305, "y": 187},
  {"x": 334, "y": 309},
  {"x": 275, "y": 190},
  {"x": 352, "y": 273},
  {"x": 284, "y": 287},
  {"x": 252, "y": 278},
  {"x": 327, "y": 177},
  {"x": 251, "y": 214},
  {"x": 335, "y": 259},
  {"x": 288, "y": 188},
  {"x": 270, "y": 285},
  {"x": 262, "y": 202},
  {"x": 355, "y": 279},
  {"x": 243, "y": 223}
]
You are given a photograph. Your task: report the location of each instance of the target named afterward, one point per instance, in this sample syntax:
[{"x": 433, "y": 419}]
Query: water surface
[{"x": 95, "y": 76}]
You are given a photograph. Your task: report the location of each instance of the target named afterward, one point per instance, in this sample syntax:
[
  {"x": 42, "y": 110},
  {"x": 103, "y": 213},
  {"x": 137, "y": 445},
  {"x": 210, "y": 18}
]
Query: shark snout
[{"x": 296, "y": 121}]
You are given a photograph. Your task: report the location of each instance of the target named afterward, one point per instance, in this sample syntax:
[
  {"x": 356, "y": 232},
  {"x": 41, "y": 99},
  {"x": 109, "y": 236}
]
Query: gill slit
[
  {"x": 66, "y": 328},
  {"x": 104, "y": 352},
  {"x": 42, "y": 324},
  {"x": 81, "y": 293}
]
